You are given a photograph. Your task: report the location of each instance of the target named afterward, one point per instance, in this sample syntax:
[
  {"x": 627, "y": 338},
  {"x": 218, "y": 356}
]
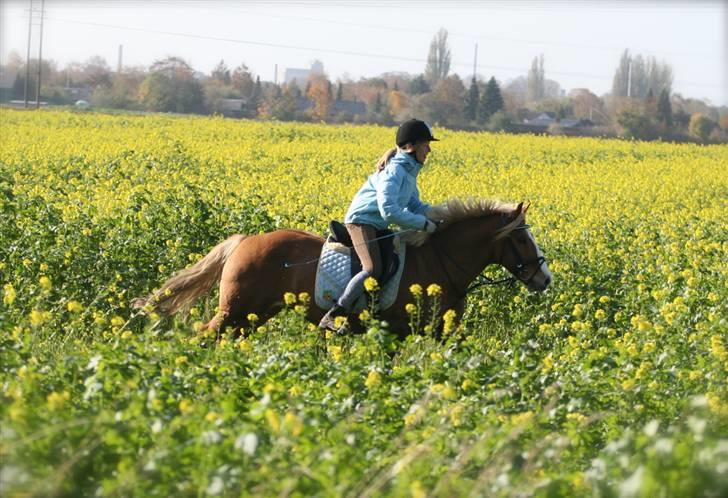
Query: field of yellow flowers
[{"x": 613, "y": 383}]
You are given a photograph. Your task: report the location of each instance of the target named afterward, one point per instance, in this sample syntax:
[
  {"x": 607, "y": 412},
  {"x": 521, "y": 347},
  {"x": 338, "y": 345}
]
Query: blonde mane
[{"x": 455, "y": 210}]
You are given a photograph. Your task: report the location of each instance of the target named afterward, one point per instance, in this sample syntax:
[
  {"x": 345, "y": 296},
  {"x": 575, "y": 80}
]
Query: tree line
[{"x": 641, "y": 105}]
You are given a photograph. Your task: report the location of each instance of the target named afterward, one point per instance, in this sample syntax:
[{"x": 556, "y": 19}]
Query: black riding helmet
[{"x": 413, "y": 131}]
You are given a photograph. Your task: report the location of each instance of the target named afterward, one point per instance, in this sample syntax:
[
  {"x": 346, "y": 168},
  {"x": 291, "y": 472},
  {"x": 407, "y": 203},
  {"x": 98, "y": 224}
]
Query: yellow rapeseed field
[{"x": 615, "y": 381}]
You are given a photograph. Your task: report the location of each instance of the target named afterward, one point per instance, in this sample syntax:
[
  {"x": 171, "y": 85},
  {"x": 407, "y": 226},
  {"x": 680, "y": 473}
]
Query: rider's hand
[{"x": 430, "y": 226}]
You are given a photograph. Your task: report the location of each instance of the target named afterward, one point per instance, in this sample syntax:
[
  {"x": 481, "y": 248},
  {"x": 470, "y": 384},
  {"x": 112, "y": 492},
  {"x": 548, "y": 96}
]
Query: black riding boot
[{"x": 328, "y": 322}]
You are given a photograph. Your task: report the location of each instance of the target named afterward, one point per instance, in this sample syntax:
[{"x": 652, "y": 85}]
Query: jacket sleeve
[
  {"x": 388, "y": 187},
  {"x": 416, "y": 205}
]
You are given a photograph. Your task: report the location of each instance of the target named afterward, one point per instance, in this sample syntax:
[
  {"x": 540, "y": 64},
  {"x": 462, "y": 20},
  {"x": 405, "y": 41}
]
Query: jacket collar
[{"x": 410, "y": 164}]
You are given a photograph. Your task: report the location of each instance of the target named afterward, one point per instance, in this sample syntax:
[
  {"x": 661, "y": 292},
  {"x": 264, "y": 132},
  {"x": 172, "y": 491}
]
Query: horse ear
[
  {"x": 519, "y": 209},
  {"x": 526, "y": 208}
]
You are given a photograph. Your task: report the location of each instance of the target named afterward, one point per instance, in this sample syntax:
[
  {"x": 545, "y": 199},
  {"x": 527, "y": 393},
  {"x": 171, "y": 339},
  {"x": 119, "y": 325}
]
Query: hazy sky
[{"x": 581, "y": 40}]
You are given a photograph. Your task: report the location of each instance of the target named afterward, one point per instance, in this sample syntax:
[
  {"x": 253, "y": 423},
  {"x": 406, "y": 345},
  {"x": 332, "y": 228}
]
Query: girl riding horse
[{"x": 389, "y": 196}]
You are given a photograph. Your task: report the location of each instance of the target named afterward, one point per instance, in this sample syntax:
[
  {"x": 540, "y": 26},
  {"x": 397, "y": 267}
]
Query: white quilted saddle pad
[{"x": 334, "y": 272}]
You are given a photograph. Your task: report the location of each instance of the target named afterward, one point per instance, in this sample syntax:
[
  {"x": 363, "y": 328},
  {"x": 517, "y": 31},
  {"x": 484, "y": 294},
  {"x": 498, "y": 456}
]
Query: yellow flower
[
  {"x": 304, "y": 297},
  {"x": 434, "y": 290},
  {"x": 295, "y": 391},
  {"x": 410, "y": 308},
  {"x": 365, "y": 316},
  {"x": 289, "y": 298},
  {"x": 335, "y": 352},
  {"x": 448, "y": 321},
  {"x": 8, "y": 294},
  {"x": 417, "y": 490},
  {"x": 74, "y": 307},
  {"x": 126, "y": 334},
  {"x": 117, "y": 321},
  {"x": 274, "y": 422},
  {"x": 185, "y": 406},
  {"x": 467, "y": 385},
  {"x": 45, "y": 283},
  {"x": 56, "y": 400},
  {"x": 374, "y": 379},
  {"x": 578, "y": 311},
  {"x": 371, "y": 284},
  {"x": 628, "y": 384},
  {"x": 600, "y": 314},
  {"x": 212, "y": 416},
  {"x": 340, "y": 321},
  {"x": 180, "y": 360},
  {"x": 293, "y": 424},
  {"x": 252, "y": 317},
  {"x": 548, "y": 363},
  {"x": 416, "y": 290},
  {"x": 245, "y": 346},
  {"x": 39, "y": 317}
]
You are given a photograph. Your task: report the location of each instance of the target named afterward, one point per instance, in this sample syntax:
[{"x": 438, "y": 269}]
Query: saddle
[{"x": 388, "y": 251}]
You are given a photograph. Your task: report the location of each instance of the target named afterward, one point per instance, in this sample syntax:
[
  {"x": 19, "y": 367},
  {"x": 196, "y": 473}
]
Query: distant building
[
  {"x": 539, "y": 118},
  {"x": 338, "y": 106},
  {"x": 7, "y": 83},
  {"x": 300, "y": 76}
]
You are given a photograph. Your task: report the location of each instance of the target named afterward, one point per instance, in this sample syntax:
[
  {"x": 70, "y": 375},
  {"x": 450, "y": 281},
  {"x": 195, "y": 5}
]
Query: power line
[{"x": 518, "y": 70}]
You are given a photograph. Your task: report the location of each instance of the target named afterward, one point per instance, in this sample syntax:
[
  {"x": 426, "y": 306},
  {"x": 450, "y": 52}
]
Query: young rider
[{"x": 389, "y": 196}]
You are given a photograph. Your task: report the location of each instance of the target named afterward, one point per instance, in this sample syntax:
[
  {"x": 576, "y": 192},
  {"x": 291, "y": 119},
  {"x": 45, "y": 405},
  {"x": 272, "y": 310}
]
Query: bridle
[{"x": 519, "y": 269}]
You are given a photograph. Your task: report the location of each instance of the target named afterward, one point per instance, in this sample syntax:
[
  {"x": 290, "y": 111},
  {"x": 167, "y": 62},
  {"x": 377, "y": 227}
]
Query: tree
[
  {"x": 279, "y": 104},
  {"x": 419, "y": 85},
  {"x": 96, "y": 72},
  {"x": 221, "y": 73},
  {"x": 636, "y": 125},
  {"x": 586, "y": 105},
  {"x": 701, "y": 126},
  {"x": 620, "y": 83},
  {"x": 446, "y": 103},
  {"x": 536, "y": 84},
  {"x": 255, "y": 97},
  {"x": 397, "y": 104},
  {"x": 438, "y": 59},
  {"x": 492, "y": 100},
  {"x": 636, "y": 76},
  {"x": 664, "y": 109},
  {"x": 171, "y": 87},
  {"x": 340, "y": 92},
  {"x": 318, "y": 91},
  {"x": 242, "y": 81},
  {"x": 473, "y": 101}
]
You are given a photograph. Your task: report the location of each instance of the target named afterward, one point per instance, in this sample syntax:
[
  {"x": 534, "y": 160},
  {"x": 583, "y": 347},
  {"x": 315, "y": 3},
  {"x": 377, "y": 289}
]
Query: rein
[{"x": 483, "y": 280}]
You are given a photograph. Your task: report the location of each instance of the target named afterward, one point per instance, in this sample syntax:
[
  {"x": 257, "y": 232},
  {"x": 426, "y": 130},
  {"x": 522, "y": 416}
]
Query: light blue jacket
[{"x": 390, "y": 197}]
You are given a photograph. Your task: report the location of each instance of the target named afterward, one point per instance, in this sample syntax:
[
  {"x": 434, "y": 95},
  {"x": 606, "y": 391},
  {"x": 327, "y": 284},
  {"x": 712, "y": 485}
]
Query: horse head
[{"x": 521, "y": 255}]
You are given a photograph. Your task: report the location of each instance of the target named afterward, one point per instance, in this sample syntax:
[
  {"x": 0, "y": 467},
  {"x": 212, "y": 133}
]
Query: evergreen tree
[
  {"x": 491, "y": 101},
  {"x": 419, "y": 85},
  {"x": 472, "y": 101},
  {"x": 256, "y": 96},
  {"x": 664, "y": 109},
  {"x": 340, "y": 92}
]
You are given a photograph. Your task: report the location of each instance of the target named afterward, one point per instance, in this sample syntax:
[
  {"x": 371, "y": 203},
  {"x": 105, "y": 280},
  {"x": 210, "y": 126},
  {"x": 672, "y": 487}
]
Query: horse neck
[{"x": 469, "y": 247}]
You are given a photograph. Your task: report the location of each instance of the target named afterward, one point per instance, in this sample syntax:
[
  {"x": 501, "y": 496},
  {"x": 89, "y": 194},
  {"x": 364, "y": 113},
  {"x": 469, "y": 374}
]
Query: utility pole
[
  {"x": 629, "y": 78},
  {"x": 27, "y": 58},
  {"x": 40, "y": 56},
  {"x": 118, "y": 65},
  {"x": 475, "y": 62}
]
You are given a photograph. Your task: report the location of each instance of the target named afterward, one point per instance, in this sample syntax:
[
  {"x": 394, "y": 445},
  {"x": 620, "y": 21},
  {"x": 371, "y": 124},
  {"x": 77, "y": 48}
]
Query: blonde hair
[{"x": 390, "y": 154}]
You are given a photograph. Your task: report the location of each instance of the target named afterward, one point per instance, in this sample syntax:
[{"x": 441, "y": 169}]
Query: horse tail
[{"x": 180, "y": 291}]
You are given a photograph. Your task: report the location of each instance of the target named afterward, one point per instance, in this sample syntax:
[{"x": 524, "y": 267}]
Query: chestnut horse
[{"x": 255, "y": 271}]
